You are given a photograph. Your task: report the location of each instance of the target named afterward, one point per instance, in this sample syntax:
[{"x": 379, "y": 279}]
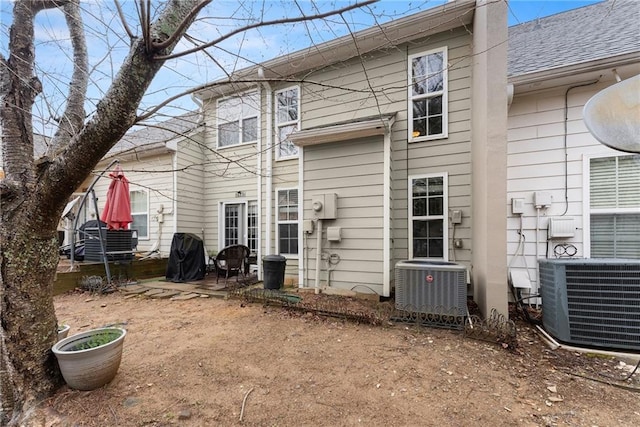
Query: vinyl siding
[
  {"x": 357, "y": 180},
  {"x": 536, "y": 162},
  {"x": 190, "y": 180},
  {"x": 451, "y": 155},
  {"x": 235, "y": 169},
  {"x": 227, "y": 171},
  {"x": 351, "y": 90}
]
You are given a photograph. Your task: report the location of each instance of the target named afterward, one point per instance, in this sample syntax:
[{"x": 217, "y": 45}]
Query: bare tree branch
[
  {"x": 73, "y": 118},
  {"x": 124, "y": 21},
  {"x": 115, "y": 113},
  {"x": 264, "y": 24}
]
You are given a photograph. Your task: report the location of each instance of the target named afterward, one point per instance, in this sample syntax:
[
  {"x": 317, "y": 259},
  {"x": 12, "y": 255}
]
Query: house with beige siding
[
  {"x": 568, "y": 194},
  {"x": 163, "y": 163},
  {"x": 380, "y": 146}
]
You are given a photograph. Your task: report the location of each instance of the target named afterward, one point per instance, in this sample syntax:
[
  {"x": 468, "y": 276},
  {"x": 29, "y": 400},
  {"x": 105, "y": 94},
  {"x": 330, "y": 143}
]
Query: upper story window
[
  {"x": 428, "y": 95},
  {"x": 614, "y": 198},
  {"x": 287, "y": 120},
  {"x": 238, "y": 119}
]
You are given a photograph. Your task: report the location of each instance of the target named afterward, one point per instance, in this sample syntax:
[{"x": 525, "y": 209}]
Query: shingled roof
[
  {"x": 153, "y": 134},
  {"x": 589, "y": 33}
]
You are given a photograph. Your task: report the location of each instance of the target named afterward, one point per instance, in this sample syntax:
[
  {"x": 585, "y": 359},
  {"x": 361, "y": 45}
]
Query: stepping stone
[
  {"x": 152, "y": 292},
  {"x": 132, "y": 287},
  {"x": 136, "y": 291},
  {"x": 165, "y": 294},
  {"x": 184, "y": 296}
]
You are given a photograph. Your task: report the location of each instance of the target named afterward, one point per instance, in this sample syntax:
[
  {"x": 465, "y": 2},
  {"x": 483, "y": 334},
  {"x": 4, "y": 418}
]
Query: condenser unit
[
  {"x": 592, "y": 302},
  {"x": 118, "y": 244},
  {"x": 431, "y": 287}
]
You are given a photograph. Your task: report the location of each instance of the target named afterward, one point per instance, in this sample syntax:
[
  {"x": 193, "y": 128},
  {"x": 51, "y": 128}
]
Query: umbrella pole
[
  {"x": 82, "y": 202},
  {"x": 103, "y": 248}
]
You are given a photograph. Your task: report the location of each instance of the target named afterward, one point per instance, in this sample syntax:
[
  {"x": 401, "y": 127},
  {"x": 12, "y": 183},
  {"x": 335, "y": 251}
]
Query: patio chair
[{"x": 230, "y": 260}]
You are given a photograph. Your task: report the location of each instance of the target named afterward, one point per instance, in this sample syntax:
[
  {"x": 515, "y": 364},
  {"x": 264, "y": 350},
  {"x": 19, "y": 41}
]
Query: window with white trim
[
  {"x": 287, "y": 120},
  {"x": 614, "y": 199},
  {"x": 252, "y": 226},
  {"x": 140, "y": 212},
  {"x": 238, "y": 119},
  {"x": 288, "y": 222},
  {"x": 427, "y": 216},
  {"x": 427, "y": 95}
]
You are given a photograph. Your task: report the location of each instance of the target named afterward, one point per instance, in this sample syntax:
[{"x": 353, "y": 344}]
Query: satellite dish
[
  {"x": 613, "y": 115},
  {"x": 66, "y": 213}
]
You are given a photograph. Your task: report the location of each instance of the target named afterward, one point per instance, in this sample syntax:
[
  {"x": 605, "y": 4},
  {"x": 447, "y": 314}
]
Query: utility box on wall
[{"x": 325, "y": 206}]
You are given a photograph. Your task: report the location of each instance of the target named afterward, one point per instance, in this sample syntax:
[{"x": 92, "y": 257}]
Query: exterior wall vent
[
  {"x": 592, "y": 302},
  {"x": 561, "y": 227},
  {"x": 431, "y": 287}
]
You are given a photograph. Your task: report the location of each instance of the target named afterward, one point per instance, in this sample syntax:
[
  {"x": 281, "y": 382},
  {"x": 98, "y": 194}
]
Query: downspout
[
  {"x": 259, "y": 194},
  {"x": 386, "y": 214},
  {"x": 174, "y": 196},
  {"x": 318, "y": 255},
  {"x": 200, "y": 120},
  {"x": 301, "y": 236},
  {"x": 269, "y": 154}
]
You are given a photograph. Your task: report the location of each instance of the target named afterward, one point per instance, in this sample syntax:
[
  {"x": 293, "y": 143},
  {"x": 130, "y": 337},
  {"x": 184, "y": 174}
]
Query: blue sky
[{"x": 107, "y": 46}]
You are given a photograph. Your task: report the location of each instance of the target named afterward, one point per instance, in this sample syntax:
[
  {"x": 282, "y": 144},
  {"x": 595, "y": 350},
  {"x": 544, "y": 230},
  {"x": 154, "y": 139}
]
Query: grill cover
[{"x": 186, "y": 259}]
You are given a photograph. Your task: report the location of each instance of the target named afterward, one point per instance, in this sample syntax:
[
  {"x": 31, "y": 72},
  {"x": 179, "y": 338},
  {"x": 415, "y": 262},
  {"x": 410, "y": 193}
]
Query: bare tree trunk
[{"x": 32, "y": 195}]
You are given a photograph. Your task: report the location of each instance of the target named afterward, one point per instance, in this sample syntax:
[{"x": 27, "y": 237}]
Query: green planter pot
[{"x": 90, "y": 359}]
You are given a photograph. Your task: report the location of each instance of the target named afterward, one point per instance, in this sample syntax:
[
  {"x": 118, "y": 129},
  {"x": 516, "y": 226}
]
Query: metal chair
[{"x": 230, "y": 260}]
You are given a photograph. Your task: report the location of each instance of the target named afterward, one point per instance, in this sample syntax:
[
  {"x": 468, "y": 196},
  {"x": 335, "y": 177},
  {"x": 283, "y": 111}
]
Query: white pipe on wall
[
  {"x": 318, "y": 255},
  {"x": 269, "y": 154},
  {"x": 259, "y": 194}
]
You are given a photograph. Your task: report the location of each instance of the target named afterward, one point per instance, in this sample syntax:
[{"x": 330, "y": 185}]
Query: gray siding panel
[{"x": 357, "y": 180}]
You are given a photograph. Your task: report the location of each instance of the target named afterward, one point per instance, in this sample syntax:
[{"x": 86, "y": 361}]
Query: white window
[
  {"x": 428, "y": 95},
  {"x": 288, "y": 222},
  {"x": 427, "y": 216},
  {"x": 252, "y": 226},
  {"x": 614, "y": 198},
  {"x": 287, "y": 121},
  {"x": 140, "y": 212},
  {"x": 238, "y": 119}
]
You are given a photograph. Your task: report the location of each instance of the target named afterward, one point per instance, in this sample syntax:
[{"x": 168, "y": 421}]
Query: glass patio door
[{"x": 240, "y": 224}]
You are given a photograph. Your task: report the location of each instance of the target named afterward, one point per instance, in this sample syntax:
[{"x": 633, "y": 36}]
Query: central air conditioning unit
[
  {"x": 118, "y": 244},
  {"x": 592, "y": 302},
  {"x": 431, "y": 287}
]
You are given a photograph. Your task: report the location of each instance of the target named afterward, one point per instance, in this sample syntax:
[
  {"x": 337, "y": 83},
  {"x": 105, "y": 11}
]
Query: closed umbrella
[{"x": 117, "y": 208}]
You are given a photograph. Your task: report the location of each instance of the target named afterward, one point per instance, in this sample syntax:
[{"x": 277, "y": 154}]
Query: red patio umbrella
[{"x": 117, "y": 208}]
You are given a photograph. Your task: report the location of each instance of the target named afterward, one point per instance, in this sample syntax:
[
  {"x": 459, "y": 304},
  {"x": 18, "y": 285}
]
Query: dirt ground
[{"x": 216, "y": 362}]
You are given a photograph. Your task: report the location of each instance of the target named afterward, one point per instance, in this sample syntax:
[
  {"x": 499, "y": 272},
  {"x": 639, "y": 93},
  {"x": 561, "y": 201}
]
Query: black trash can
[{"x": 273, "y": 267}]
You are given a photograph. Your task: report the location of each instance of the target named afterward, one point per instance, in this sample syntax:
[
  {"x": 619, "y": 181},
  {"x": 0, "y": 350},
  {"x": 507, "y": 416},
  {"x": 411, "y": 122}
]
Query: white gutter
[{"x": 574, "y": 69}]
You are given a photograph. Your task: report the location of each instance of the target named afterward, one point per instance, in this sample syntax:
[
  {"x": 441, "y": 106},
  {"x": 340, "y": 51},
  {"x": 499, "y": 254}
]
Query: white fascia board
[{"x": 342, "y": 132}]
